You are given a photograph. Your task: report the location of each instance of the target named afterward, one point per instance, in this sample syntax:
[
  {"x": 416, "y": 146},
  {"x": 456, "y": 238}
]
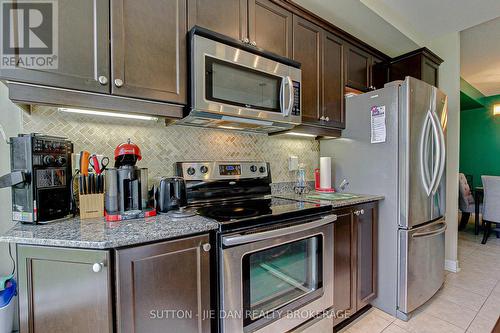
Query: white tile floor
[{"x": 468, "y": 302}]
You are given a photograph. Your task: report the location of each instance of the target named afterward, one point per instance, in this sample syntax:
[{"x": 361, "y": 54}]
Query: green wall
[{"x": 480, "y": 140}]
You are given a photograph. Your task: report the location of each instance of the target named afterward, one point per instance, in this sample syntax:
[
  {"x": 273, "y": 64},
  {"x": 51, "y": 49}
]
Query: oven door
[
  {"x": 233, "y": 82},
  {"x": 274, "y": 280}
]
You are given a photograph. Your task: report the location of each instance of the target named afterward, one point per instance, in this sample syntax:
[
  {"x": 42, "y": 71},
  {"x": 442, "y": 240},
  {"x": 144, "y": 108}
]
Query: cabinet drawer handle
[
  {"x": 322, "y": 118},
  {"x": 254, "y": 43},
  {"x": 118, "y": 82},
  {"x": 245, "y": 40},
  {"x": 206, "y": 247},
  {"x": 97, "y": 267},
  {"x": 362, "y": 212},
  {"x": 103, "y": 80},
  {"x": 327, "y": 118}
]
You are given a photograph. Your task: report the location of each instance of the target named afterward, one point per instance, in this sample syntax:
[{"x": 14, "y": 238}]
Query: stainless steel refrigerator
[{"x": 395, "y": 145}]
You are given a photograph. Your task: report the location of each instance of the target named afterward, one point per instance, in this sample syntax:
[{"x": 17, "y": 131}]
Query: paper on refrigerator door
[{"x": 378, "y": 127}]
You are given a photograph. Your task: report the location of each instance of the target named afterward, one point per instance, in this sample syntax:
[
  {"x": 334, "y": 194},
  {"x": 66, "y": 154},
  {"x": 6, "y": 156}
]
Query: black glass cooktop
[{"x": 249, "y": 212}]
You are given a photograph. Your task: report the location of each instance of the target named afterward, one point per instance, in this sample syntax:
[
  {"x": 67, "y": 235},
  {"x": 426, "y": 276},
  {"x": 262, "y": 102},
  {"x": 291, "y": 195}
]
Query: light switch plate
[{"x": 293, "y": 163}]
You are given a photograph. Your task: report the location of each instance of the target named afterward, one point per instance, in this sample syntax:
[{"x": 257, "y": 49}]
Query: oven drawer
[{"x": 275, "y": 280}]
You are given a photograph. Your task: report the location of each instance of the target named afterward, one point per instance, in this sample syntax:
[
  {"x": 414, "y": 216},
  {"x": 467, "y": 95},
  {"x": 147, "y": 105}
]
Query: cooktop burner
[{"x": 258, "y": 210}]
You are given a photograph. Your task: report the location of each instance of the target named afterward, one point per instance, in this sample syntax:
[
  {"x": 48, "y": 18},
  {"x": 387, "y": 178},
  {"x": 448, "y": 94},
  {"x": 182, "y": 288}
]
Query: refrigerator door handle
[
  {"x": 431, "y": 233},
  {"x": 424, "y": 156},
  {"x": 439, "y": 152},
  {"x": 442, "y": 148}
]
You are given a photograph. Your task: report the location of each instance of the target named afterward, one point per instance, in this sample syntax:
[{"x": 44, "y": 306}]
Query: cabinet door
[
  {"x": 152, "y": 279},
  {"x": 366, "y": 229},
  {"x": 270, "y": 27},
  {"x": 83, "y": 49},
  {"x": 358, "y": 64},
  {"x": 61, "y": 291},
  {"x": 333, "y": 81},
  {"x": 149, "y": 49},
  {"x": 307, "y": 49},
  {"x": 379, "y": 73},
  {"x": 227, "y": 17},
  {"x": 344, "y": 271},
  {"x": 430, "y": 71}
]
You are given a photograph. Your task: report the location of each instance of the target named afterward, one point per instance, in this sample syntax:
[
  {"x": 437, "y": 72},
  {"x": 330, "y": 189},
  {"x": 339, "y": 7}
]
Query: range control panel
[{"x": 221, "y": 170}]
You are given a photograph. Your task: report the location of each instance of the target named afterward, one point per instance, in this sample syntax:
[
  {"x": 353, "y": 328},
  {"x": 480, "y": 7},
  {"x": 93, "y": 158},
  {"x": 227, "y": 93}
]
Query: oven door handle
[{"x": 243, "y": 239}]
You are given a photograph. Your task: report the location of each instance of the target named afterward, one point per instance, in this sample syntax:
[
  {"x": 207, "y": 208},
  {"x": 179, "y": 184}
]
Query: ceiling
[
  {"x": 480, "y": 56},
  {"x": 360, "y": 21},
  {"x": 430, "y": 18}
]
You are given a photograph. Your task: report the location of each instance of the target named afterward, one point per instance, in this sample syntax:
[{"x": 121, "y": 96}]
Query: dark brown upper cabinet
[
  {"x": 148, "y": 49},
  {"x": 358, "y": 68},
  {"x": 83, "y": 50},
  {"x": 332, "y": 97},
  {"x": 308, "y": 49},
  {"x": 228, "y": 17},
  {"x": 421, "y": 64},
  {"x": 270, "y": 27}
]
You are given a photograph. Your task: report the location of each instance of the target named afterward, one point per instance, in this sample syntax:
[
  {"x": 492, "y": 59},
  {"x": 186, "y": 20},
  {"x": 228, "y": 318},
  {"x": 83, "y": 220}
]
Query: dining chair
[
  {"x": 466, "y": 202},
  {"x": 491, "y": 202}
]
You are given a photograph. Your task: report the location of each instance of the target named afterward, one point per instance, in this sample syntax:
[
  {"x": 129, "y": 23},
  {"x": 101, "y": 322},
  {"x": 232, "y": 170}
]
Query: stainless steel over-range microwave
[{"x": 234, "y": 85}]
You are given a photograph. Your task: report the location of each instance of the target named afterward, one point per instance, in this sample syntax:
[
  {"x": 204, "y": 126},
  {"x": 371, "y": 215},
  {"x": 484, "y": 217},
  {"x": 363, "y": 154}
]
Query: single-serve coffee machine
[{"x": 127, "y": 194}]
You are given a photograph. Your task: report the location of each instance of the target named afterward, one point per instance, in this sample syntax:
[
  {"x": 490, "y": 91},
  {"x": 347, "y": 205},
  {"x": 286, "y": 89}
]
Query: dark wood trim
[
  {"x": 496, "y": 329},
  {"x": 308, "y": 15},
  {"x": 423, "y": 51}
]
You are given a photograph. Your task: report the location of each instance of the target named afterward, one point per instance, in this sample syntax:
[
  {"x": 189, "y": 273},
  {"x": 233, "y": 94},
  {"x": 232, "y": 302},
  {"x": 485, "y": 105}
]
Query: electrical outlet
[{"x": 293, "y": 163}]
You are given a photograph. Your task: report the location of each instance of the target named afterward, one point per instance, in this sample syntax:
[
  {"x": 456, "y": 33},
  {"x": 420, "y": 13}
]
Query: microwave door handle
[
  {"x": 282, "y": 95},
  {"x": 291, "y": 96},
  {"x": 239, "y": 239}
]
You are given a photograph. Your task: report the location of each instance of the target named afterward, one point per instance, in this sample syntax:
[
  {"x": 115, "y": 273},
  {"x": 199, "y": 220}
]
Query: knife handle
[{"x": 84, "y": 162}]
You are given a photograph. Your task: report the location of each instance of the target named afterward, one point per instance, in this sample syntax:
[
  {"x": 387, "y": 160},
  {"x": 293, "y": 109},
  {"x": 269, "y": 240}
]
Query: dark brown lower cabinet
[
  {"x": 355, "y": 259},
  {"x": 64, "y": 290},
  {"x": 164, "y": 287},
  {"x": 160, "y": 287}
]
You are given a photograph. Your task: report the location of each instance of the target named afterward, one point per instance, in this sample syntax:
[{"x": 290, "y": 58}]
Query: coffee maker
[
  {"x": 40, "y": 178},
  {"x": 127, "y": 194}
]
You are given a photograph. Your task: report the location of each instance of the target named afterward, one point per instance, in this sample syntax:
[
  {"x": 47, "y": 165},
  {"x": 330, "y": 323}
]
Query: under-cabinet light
[
  {"x": 496, "y": 110},
  {"x": 301, "y": 134},
  {"x": 108, "y": 114}
]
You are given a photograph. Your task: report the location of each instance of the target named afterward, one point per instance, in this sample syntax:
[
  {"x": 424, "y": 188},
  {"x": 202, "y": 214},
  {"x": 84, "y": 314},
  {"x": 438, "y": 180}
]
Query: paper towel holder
[{"x": 317, "y": 186}]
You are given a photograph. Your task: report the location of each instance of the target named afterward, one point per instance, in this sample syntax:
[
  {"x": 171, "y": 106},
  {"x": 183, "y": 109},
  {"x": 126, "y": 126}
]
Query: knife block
[{"x": 91, "y": 205}]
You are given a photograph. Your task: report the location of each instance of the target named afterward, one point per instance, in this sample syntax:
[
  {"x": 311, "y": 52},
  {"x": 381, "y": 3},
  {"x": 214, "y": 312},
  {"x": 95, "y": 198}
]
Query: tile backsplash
[{"x": 162, "y": 145}]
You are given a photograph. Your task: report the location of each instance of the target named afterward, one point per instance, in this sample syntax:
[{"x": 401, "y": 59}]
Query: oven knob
[
  {"x": 253, "y": 168},
  {"x": 48, "y": 160},
  {"x": 262, "y": 169},
  {"x": 191, "y": 171},
  {"x": 203, "y": 169}
]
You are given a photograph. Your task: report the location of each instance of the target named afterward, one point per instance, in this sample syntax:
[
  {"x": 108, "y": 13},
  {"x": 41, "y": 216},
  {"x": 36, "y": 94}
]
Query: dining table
[{"x": 478, "y": 199}]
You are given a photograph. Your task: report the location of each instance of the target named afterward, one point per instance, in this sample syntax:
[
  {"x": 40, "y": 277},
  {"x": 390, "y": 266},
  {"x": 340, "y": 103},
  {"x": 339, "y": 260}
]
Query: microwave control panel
[{"x": 296, "y": 99}]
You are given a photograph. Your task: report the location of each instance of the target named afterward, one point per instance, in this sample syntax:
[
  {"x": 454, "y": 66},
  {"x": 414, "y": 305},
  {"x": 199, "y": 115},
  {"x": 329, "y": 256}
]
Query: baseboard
[{"x": 451, "y": 266}]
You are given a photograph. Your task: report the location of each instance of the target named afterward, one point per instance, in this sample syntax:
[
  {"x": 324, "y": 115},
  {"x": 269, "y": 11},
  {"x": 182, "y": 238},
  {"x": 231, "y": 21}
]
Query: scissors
[{"x": 98, "y": 167}]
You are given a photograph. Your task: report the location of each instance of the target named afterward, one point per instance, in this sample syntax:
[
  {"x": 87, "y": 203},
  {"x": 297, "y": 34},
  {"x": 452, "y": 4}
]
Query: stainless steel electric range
[{"x": 274, "y": 255}]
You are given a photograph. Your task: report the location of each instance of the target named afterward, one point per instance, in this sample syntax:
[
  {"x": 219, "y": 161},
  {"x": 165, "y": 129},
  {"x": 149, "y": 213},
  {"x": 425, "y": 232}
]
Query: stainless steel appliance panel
[
  {"x": 237, "y": 246},
  {"x": 422, "y": 152},
  {"x": 238, "y": 60},
  {"x": 421, "y": 265}
]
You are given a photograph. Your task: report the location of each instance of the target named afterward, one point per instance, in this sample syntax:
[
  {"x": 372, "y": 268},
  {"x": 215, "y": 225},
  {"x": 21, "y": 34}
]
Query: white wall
[{"x": 448, "y": 48}]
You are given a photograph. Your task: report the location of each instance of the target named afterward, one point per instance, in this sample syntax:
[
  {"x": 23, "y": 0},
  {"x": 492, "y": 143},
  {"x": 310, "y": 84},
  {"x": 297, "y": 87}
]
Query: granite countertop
[
  {"x": 359, "y": 199},
  {"x": 99, "y": 234}
]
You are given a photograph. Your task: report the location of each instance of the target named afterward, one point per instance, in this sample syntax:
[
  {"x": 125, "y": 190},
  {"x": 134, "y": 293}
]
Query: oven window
[
  {"x": 241, "y": 86},
  {"x": 278, "y": 276}
]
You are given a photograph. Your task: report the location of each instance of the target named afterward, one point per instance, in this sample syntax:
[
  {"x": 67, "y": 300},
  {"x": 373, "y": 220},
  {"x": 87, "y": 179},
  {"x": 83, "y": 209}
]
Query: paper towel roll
[{"x": 325, "y": 169}]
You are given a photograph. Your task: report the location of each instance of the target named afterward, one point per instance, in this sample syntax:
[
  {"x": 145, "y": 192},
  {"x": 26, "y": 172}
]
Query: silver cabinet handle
[
  {"x": 362, "y": 211},
  {"x": 97, "y": 267},
  {"x": 254, "y": 43},
  {"x": 327, "y": 118},
  {"x": 103, "y": 80},
  {"x": 245, "y": 40},
  {"x": 322, "y": 118},
  {"x": 206, "y": 247},
  {"x": 356, "y": 212},
  {"x": 118, "y": 82}
]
